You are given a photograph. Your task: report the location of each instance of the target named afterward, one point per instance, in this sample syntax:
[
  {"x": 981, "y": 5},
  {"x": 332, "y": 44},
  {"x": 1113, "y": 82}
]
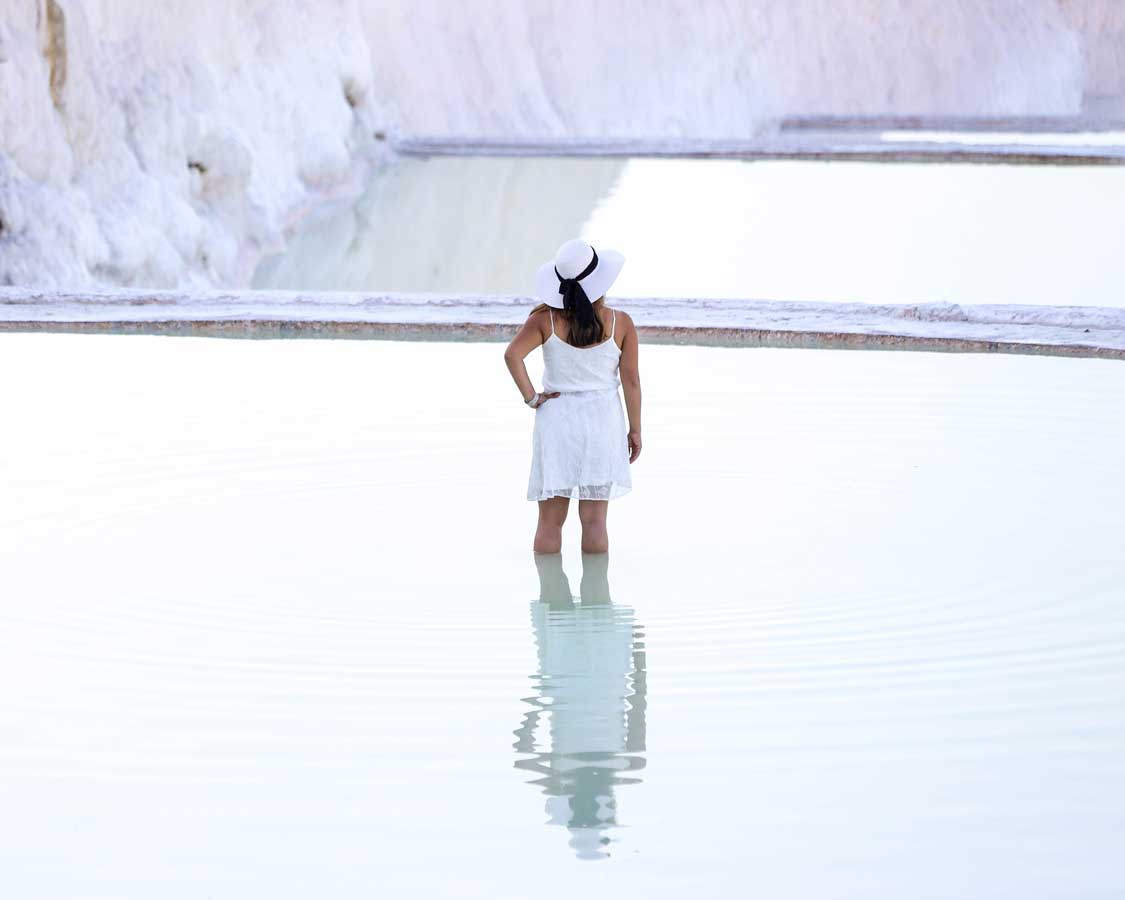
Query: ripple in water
[{"x": 261, "y": 634}]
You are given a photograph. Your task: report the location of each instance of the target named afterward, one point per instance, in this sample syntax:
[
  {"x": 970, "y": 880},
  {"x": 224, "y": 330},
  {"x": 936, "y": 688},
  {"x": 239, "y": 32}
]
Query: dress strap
[
  {"x": 613, "y": 323},
  {"x": 551, "y": 312}
]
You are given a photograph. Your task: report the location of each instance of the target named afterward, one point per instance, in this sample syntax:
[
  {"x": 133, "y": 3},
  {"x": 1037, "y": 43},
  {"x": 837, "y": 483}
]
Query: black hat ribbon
[{"x": 574, "y": 296}]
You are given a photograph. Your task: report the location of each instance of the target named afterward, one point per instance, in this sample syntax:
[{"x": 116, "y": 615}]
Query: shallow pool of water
[
  {"x": 271, "y": 627},
  {"x": 771, "y": 230}
]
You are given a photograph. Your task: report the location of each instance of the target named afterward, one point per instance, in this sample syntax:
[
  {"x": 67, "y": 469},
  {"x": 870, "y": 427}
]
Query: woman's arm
[
  {"x": 631, "y": 383},
  {"x": 530, "y": 336}
]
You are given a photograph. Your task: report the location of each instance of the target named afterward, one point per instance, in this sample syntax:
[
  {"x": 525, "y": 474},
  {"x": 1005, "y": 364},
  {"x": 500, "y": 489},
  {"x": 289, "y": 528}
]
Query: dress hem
[{"x": 584, "y": 492}]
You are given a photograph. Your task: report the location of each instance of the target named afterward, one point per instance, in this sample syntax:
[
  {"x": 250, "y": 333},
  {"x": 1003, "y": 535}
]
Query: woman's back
[
  {"x": 569, "y": 368},
  {"x": 580, "y": 448}
]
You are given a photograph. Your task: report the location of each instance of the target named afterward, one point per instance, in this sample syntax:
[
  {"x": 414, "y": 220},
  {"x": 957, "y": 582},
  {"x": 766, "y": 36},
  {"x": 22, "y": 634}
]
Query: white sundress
[{"x": 580, "y": 446}]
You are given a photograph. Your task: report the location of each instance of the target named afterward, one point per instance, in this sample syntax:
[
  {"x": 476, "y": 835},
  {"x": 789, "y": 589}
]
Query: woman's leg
[
  {"x": 592, "y": 513},
  {"x": 552, "y": 514}
]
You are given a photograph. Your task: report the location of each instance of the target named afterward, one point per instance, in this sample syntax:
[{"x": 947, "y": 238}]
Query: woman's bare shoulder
[
  {"x": 622, "y": 316},
  {"x": 540, "y": 320}
]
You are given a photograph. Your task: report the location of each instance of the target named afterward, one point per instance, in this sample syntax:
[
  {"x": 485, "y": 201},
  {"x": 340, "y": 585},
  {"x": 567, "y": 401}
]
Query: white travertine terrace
[{"x": 163, "y": 144}]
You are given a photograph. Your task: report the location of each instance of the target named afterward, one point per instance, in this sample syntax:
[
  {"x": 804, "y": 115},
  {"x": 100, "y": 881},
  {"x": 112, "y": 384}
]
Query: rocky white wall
[
  {"x": 1100, "y": 25},
  {"x": 157, "y": 142},
  {"x": 162, "y": 142},
  {"x": 723, "y": 68}
]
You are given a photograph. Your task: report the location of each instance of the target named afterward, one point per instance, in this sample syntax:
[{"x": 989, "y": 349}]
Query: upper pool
[
  {"x": 271, "y": 627},
  {"x": 823, "y": 231}
]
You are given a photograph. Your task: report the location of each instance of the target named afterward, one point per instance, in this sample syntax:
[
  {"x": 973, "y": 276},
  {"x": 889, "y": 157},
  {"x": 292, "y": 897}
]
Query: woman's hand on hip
[
  {"x": 634, "y": 445},
  {"x": 543, "y": 398}
]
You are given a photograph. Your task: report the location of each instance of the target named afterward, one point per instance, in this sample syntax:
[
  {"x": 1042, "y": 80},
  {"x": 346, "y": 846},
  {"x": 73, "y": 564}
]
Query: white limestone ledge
[
  {"x": 1055, "y": 330},
  {"x": 806, "y": 144}
]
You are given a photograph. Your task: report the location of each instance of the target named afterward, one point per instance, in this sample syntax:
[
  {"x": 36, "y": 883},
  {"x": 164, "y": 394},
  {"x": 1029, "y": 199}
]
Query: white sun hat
[{"x": 594, "y": 271}]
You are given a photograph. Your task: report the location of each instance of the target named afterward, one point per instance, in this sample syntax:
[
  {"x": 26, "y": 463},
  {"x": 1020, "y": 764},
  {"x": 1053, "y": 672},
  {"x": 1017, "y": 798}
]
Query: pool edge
[{"x": 464, "y": 332}]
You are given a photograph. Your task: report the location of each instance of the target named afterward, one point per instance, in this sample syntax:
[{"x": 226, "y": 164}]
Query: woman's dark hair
[{"x": 581, "y": 330}]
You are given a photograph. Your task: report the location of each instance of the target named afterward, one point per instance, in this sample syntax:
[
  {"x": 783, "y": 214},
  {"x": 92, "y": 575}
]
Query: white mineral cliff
[{"x": 152, "y": 142}]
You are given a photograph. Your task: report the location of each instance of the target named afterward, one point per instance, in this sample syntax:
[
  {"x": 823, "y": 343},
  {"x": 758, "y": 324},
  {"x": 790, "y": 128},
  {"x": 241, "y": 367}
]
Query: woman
[{"x": 580, "y": 448}]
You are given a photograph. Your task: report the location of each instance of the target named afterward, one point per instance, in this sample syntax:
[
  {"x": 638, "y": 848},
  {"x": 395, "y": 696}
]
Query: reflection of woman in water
[{"x": 591, "y": 688}]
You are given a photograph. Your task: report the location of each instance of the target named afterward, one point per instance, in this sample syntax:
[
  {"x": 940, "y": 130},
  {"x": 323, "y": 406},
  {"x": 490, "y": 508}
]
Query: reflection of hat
[
  {"x": 589, "y": 843},
  {"x": 594, "y": 270}
]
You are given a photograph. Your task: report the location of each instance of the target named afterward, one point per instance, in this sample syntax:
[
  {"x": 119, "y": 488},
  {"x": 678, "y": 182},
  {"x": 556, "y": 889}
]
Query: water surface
[
  {"x": 271, "y": 626},
  {"x": 770, "y": 230}
]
